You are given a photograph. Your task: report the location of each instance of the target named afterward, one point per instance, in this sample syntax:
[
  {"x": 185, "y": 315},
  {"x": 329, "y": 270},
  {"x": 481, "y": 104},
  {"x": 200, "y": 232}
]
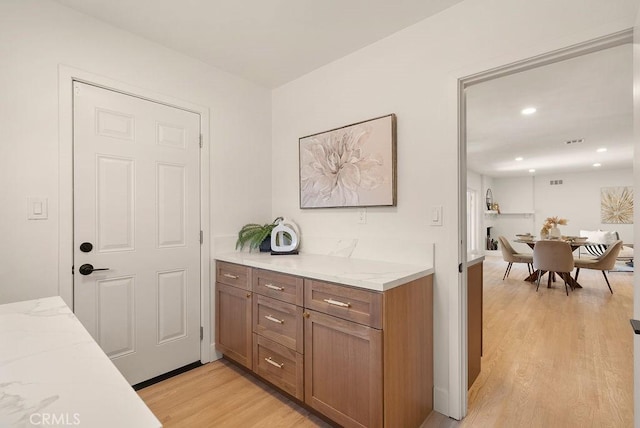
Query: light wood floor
[
  {"x": 549, "y": 361},
  {"x": 219, "y": 394}
]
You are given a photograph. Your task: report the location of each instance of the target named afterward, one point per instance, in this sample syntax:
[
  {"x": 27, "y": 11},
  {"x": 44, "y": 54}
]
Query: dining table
[{"x": 574, "y": 246}]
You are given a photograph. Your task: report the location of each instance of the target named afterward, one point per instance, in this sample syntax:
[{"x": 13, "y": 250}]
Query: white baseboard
[
  {"x": 441, "y": 400},
  {"x": 215, "y": 355}
]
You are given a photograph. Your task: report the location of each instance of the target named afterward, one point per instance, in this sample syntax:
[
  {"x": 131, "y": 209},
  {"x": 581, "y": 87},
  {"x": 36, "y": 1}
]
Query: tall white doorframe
[
  {"x": 458, "y": 369},
  {"x": 66, "y": 76}
]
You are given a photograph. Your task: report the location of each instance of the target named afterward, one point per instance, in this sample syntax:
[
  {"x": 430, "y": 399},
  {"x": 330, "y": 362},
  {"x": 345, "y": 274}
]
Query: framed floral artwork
[{"x": 351, "y": 166}]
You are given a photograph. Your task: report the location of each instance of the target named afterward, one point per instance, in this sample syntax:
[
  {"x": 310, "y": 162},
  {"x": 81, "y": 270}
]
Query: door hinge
[
  {"x": 201, "y": 238},
  {"x": 201, "y": 332},
  {"x": 200, "y": 140},
  {"x": 73, "y": 270}
]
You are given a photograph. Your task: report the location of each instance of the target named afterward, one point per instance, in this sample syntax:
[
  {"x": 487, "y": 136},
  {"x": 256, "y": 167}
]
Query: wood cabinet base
[{"x": 361, "y": 358}]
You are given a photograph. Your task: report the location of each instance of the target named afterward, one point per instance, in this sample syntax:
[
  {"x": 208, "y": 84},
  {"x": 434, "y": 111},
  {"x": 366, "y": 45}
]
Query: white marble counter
[
  {"x": 52, "y": 372},
  {"x": 474, "y": 259},
  {"x": 368, "y": 274}
]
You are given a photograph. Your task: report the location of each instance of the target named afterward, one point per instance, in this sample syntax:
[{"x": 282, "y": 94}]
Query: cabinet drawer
[
  {"x": 287, "y": 288},
  {"x": 278, "y": 321},
  {"x": 232, "y": 274},
  {"x": 279, "y": 365},
  {"x": 353, "y": 304}
]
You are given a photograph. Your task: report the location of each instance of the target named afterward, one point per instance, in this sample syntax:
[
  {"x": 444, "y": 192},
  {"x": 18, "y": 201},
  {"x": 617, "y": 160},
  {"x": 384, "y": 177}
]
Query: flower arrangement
[{"x": 551, "y": 222}]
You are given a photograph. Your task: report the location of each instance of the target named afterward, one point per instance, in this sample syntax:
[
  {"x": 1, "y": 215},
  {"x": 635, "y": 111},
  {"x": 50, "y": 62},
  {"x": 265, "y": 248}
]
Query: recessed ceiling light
[
  {"x": 532, "y": 170},
  {"x": 519, "y": 158},
  {"x": 529, "y": 110},
  {"x": 597, "y": 165},
  {"x": 601, "y": 150}
]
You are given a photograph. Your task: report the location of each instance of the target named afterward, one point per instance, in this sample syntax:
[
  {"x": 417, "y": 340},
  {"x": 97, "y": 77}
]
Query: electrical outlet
[{"x": 362, "y": 216}]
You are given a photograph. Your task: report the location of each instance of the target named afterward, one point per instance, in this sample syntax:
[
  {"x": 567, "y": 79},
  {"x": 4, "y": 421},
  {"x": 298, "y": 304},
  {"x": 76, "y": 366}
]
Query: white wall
[
  {"x": 414, "y": 74},
  {"x": 513, "y": 194},
  {"x": 38, "y": 35},
  {"x": 578, "y": 200},
  {"x": 516, "y": 200}
]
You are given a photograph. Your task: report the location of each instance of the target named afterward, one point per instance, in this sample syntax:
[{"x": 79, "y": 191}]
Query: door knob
[{"x": 87, "y": 269}]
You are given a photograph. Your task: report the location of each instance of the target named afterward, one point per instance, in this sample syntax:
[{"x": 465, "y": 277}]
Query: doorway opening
[{"x": 521, "y": 209}]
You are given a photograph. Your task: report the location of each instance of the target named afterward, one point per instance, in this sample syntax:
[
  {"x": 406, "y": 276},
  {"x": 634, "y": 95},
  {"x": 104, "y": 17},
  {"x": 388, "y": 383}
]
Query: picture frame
[
  {"x": 616, "y": 205},
  {"x": 350, "y": 166}
]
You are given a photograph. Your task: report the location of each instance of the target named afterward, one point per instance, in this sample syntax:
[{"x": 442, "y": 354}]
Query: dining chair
[
  {"x": 605, "y": 262},
  {"x": 553, "y": 257},
  {"x": 511, "y": 256}
]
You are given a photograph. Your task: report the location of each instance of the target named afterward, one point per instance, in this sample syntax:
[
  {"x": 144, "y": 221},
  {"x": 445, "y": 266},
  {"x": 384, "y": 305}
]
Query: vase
[{"x": 554, "y": 233}]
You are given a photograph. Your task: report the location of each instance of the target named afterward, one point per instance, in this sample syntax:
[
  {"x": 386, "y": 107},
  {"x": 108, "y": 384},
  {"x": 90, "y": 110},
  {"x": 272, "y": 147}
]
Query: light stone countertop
[
  {"x": 51, "y": 370},
  {"x": 367, "y": 274},
  {"x": 474, "y": 259}
]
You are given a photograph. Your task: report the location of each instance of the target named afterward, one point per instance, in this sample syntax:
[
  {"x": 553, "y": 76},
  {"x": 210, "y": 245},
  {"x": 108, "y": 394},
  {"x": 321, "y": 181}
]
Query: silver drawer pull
[
  {"x": 337, "y": 303},
  {"x": 228, "y": 275},
  {"x": 270, "y": 318},
  {"x": 273, "y": 363},
  {"x": 274, "y": 287}
]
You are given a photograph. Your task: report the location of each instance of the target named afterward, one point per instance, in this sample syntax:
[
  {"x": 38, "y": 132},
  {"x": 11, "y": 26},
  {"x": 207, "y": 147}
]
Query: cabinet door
[
  {"x": 343, "y": 370},
  {"x": 233, "y": 323}
]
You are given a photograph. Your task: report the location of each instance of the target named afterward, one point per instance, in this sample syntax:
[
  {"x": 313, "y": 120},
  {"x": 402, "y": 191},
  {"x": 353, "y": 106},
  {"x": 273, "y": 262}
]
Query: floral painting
[
  {"x": 352, "y": 166},
  {"x": 616, "y": 205}
]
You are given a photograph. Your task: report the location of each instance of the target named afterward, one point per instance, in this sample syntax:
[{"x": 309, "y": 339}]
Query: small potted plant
[{"x": 256, "y": 236}]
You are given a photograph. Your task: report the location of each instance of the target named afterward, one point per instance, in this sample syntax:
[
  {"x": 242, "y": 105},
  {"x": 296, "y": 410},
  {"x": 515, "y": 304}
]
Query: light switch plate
[
  {"x": 37, "y": 208},
  {"x": 436, "y": 216}
]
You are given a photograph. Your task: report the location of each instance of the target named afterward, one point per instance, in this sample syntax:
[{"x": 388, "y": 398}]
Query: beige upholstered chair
[
  {"x": 605, "y": 262},
  {"x": 553, "y": 256},
  {"x": 511, "y": 256}
]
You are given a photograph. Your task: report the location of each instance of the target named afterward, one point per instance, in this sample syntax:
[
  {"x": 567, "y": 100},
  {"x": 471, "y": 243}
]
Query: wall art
[
  {"x": 616, "y": 205},
  {"x": 351, "y": 166}
]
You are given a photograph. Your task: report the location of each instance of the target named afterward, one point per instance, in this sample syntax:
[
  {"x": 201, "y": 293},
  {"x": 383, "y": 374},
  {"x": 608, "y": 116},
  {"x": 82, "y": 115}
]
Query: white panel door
[{"x": 137, "y": 203}]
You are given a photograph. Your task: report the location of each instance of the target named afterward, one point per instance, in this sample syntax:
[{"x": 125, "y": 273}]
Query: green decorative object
[{"x": 254, "y": 234}]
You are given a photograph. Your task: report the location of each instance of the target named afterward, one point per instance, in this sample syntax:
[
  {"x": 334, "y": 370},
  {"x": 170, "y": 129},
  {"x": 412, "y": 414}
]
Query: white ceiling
[
  {"x": 588, "y": 97},
  {"x": 270, "y": 42}
]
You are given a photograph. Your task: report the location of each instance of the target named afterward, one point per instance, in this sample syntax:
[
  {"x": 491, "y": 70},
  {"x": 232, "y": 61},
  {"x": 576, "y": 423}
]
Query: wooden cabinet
[
  {"x": 233, "y": 323},
  {"x": 369, "y": 355},
  {"x": 287, "y": 288},
  {"x": 278, "y": 345},
  {"x": 343, "y": 370},
  {"x": 362, "y": 358},
  {"x": 279, "y": 365},
  {"x": 353, "y": 304},
  {"x": 474, "y": 321}
]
